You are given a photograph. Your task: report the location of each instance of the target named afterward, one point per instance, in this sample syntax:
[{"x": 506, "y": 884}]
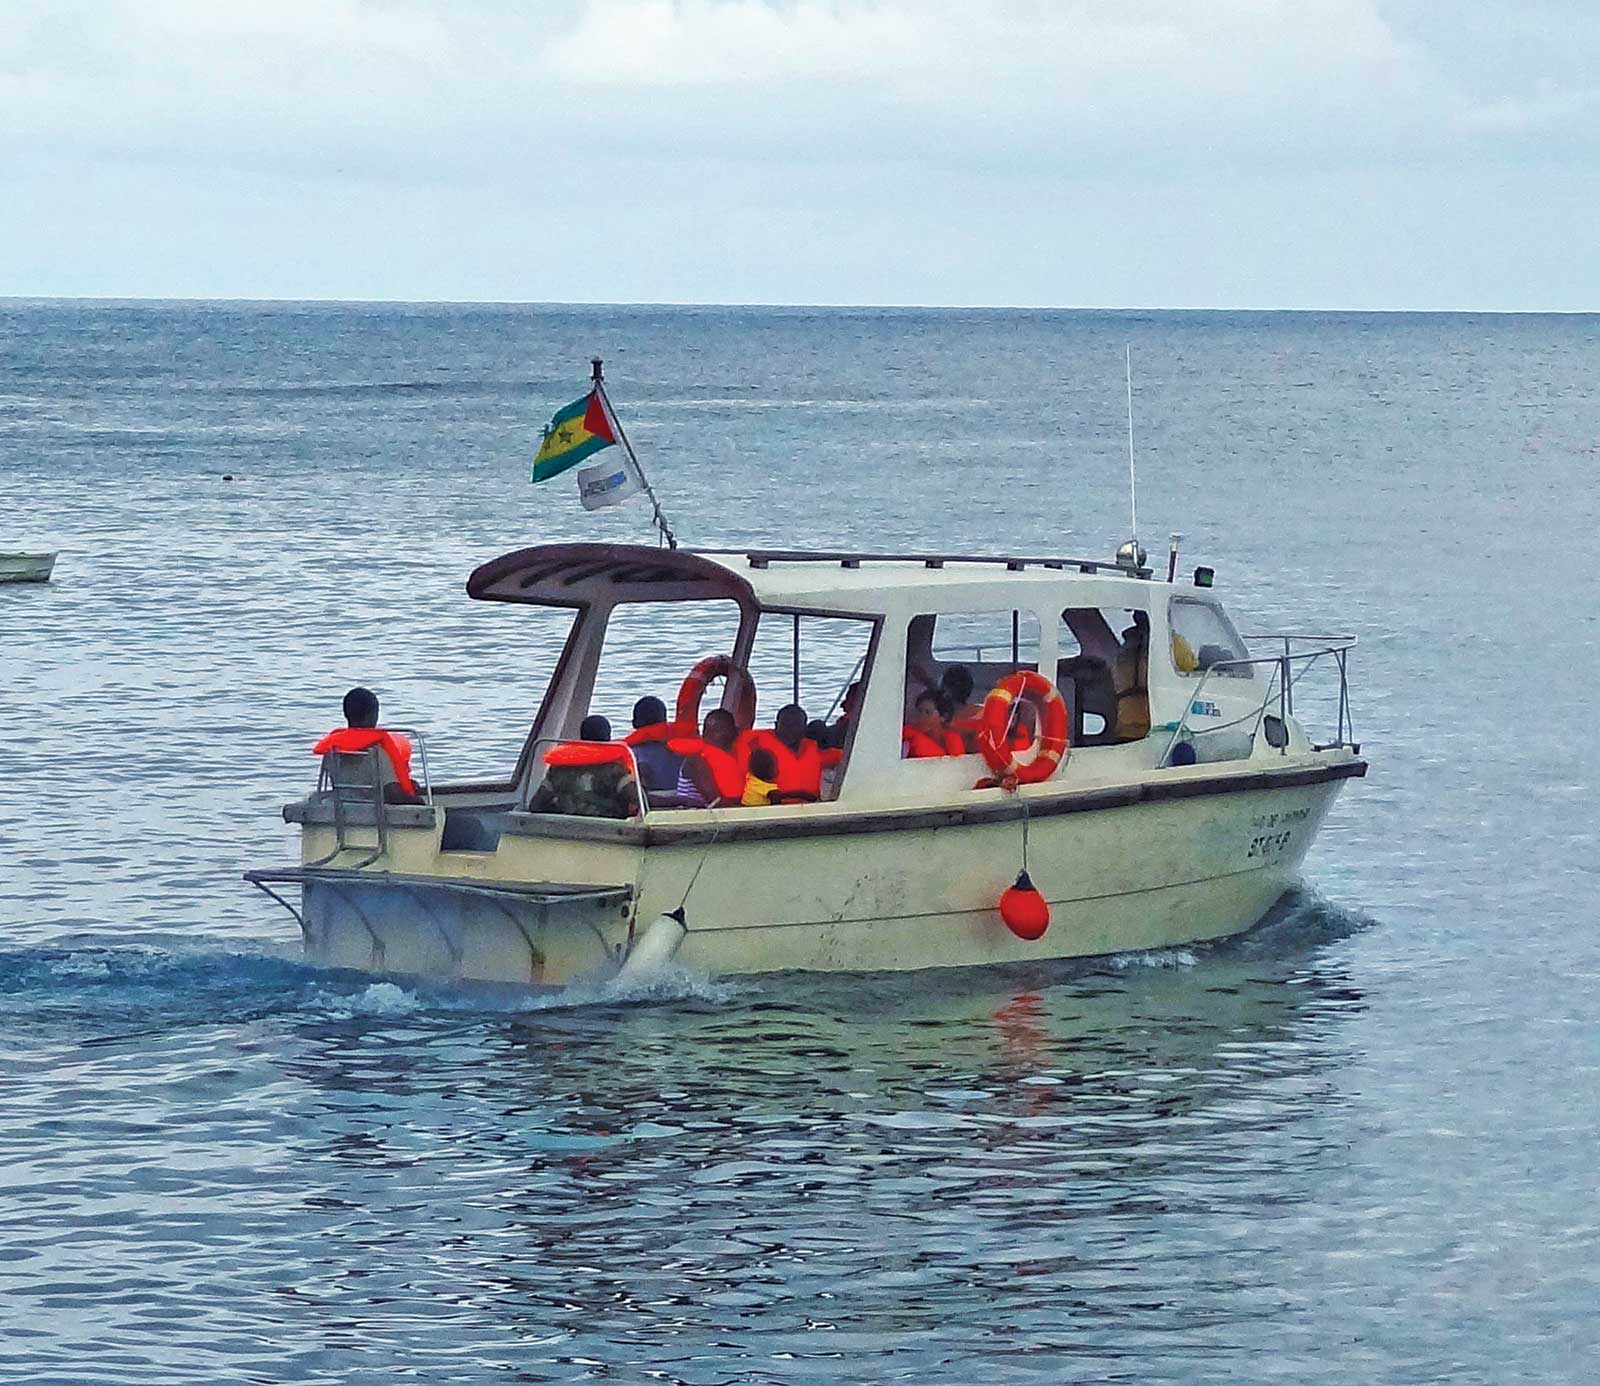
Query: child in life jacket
[
  {"x": 761, "y": 778},
  {"x": 797, "y": 759}
]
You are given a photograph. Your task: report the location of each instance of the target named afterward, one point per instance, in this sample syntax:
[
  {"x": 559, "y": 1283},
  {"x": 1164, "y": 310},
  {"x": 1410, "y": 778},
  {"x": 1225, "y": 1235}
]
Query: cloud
[{"x": 425, "y": 88}]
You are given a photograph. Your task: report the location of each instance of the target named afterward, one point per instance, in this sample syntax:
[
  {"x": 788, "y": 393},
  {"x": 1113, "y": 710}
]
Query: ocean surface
[{"x": 1358, "y": 1144}]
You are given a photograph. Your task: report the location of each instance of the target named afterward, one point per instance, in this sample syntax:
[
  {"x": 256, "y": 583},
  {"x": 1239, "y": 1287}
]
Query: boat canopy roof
[{"x": 860, "y": 583}]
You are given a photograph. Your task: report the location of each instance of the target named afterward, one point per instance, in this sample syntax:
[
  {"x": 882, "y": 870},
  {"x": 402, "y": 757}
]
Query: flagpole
[{"x": 633, "y": 457}]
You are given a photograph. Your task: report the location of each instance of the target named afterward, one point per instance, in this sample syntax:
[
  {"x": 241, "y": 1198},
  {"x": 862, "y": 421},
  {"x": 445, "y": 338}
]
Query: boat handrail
[
  {"x": 1347, "y": 641},
  {"x": 848, "y": 558},
  {"x": 421, "y": 742},
  {"x": 1281, "y": 686}
]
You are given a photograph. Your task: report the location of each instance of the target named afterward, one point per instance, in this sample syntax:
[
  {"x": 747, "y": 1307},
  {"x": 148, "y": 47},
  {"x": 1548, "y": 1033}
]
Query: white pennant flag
[{"x": 609, "y": 483}]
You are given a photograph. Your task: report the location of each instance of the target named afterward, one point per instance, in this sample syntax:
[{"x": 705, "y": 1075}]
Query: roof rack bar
[{"x": 761, "y": 558}]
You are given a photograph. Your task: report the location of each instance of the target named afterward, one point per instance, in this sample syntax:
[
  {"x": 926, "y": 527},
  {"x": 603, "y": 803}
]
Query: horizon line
[{"x": 753, "y": 303}]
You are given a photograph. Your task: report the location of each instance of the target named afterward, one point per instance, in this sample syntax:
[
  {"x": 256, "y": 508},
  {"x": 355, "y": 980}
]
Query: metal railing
[
  {"x": 424, "y": 782},
  {"x": 1289, "y": 670},
  {"x": 366, "y": 791}
]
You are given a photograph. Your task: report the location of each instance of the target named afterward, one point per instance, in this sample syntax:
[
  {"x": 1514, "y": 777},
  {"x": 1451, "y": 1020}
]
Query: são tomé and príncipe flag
[{"x": 578, "y": 431}]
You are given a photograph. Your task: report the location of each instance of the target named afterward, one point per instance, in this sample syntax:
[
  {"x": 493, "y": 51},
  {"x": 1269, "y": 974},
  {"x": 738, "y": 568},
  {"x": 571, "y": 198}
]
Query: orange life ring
[
  {"x": 694, "y": 689},
  {"x": 992, "y": 724}
]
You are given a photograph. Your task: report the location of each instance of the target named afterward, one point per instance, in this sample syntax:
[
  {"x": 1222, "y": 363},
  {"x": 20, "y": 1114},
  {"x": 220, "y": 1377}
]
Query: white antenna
[{"x": 1133, "y": 485}]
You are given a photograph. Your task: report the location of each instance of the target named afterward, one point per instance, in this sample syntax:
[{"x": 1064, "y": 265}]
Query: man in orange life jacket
[
  {"x": 800, "y": 760},
  {"x": 362, "y": 734},
  {"x": 713, "y": 771},
  {"x": 658, "y": 767}
]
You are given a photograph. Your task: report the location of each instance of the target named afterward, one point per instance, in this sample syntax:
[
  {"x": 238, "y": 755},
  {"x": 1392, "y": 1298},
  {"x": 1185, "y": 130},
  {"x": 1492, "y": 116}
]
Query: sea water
[{"x": 1357, "y": 1144}]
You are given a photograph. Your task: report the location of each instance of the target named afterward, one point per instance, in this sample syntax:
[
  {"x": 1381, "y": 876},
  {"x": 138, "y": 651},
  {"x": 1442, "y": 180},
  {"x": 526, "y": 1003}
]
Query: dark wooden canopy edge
[{"x": 561, "y": 574}]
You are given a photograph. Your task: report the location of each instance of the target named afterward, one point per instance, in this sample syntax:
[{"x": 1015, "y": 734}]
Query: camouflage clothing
[{"x": 586, "y": 791}]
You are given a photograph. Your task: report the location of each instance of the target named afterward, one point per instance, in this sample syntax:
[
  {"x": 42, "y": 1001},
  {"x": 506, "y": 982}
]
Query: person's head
[
  {"x": 594, "y": 728},
  {"x": 852, "y": 699},
  {"x": 649, "y": 712},
  {"x": 956, "y": 684},
  {"x": 763, "y": 764},
  {"x": 929, "y": 713},
  {"x": 790, "y": 726},
  {"x": 719, "y": 729},
  {"x": 361, "y": 707}
]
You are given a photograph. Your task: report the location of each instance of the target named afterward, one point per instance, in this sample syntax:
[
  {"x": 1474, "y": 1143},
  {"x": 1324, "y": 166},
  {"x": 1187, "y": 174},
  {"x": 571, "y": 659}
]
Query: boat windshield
[{"x": 649, "y": 649}]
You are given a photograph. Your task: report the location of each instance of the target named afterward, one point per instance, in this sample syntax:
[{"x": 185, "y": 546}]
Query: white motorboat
[
  {"x": 26, "y": 567},
  {"x": 1185, "y": 821}
]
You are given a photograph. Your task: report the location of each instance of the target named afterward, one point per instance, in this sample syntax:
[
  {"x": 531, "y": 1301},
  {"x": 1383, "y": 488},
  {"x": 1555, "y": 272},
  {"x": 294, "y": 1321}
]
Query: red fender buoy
[{"x": 1025, "y": 912}]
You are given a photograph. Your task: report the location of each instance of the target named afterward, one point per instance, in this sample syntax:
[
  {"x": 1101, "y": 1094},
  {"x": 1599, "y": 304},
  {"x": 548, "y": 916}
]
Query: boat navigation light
[
  {"x": 1130, "y": 556},
  {"x": 1172, "y": 553},
  {"x": 1204, "y": 577}
]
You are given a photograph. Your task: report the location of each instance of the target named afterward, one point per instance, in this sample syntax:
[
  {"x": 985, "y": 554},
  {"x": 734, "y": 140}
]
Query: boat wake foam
[
  {"x": 106, "y": 991},
  {"x": 1161, "y": 958},
  {"x": 1301, "y": 920}
]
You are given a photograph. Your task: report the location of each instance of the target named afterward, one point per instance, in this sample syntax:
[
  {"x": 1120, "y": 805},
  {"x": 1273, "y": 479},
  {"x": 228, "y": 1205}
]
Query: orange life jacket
[
  {"x": 643, "y": 736},
  {"x": 726, "y": 768},
  {"x": 354, "y": 740},
  {"x": 588, "y": 753},
  {"x": 920, "y": 746},
  {"x": 799, "y": 772}
]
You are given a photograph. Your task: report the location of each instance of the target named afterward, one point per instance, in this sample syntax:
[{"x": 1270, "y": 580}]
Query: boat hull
[
  {"x": 847, "y": 892},
  {"x": 26, "y": 567}
]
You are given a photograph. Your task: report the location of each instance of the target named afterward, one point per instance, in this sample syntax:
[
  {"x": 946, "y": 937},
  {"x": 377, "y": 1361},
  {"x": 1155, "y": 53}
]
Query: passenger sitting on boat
[
  {"x": 799, "y": 759},
  {"x": 762, "y": 781},
  {"x": 362, "y": 733},
  {"x": 658, "y": 767},
  {"x": 588, "y": 778},
  {"x": 928, "y": 733},
  {"x": 712, "y": 773},
  {"x": 956, "y": 685},
  {"x": 833, "y": 738},
  {"x": 1130, "y": 672}
]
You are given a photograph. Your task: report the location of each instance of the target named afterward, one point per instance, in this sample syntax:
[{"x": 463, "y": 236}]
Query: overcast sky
[{"x": 1117, "y": 153}]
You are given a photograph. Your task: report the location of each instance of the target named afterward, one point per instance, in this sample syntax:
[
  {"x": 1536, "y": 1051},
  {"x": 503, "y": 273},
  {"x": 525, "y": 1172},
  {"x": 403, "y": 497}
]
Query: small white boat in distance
[
  {"x": 1181, "y": 811},
  {"x": 26, "y": 567}
]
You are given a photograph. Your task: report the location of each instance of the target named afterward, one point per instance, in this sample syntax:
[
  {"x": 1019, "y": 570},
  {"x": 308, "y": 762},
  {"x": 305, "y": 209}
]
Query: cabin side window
[
  {"x": 1203, "y": 638},
  {"x": 1102, "y": 672},
  {"x": 815, "y": 662},
  {"x": 953, "y": 659}
]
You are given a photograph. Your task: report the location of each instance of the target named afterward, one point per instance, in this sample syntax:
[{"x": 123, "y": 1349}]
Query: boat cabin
[{"x": 808, "y": 626}]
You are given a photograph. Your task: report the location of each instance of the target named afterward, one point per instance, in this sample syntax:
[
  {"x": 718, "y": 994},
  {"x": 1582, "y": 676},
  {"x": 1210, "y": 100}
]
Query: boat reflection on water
[{"x": 812, "y": 1164}]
